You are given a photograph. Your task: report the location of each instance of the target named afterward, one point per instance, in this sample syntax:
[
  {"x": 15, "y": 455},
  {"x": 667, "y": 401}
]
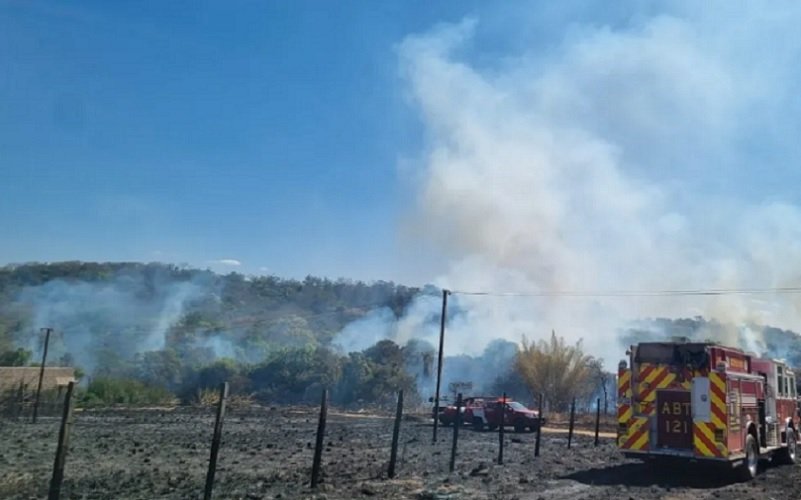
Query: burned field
[{"x": 267, "y": 453}]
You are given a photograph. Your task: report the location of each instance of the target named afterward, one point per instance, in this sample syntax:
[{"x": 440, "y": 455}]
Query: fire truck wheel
[
  {"x": 478, "y": 424},
  {"x": 789, "y": 454},
  {"x": 748, "y": 470}
]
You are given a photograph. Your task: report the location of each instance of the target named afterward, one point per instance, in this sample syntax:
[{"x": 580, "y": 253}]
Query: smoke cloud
[
  {"x": 113, "y": 319},
  {"x": 649, "y": 154}
]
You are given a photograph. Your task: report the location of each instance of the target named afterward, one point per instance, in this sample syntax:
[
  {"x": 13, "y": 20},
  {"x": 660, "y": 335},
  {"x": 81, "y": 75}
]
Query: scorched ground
[{"x": 267, "y": 453}]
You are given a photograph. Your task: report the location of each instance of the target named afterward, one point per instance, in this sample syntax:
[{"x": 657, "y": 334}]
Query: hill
[{"x": 157, "y": 321}]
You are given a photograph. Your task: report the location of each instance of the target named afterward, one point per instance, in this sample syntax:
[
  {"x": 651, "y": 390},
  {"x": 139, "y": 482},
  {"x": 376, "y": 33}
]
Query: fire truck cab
[{"x": 708, "y": 403}]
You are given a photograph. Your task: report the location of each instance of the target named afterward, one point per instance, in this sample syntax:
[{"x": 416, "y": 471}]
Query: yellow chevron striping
[
  {"x": 625, "y": 416},
  {"x": 637, "y": 429},
  {"x": 704, "y": 428},
  {"x": 652, "y": 376},
  {"x": 647, "y": 408},
  {"x": 664, "y": 383},
  {"x": 667, "y": 380},
  {"x": 640, "y": 443},
  {"x": 700, "y": 445},
  {"x": 716, "y": 401},
  {"x": 718, "y": 422},
  {"x": 708, "y": 431},
  {"x": 717, "y": 379},
  {"x": 623, "y": 379},
  {"x": 702, "y": 449}
]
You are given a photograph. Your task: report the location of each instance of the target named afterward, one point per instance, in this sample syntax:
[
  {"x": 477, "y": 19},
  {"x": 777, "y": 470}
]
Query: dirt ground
[{"x": 267, "y": 453}]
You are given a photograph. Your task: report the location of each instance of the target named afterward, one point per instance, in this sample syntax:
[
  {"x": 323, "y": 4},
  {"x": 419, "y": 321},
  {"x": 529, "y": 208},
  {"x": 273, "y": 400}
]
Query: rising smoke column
[
  {"x": 113, "y": 319},
  {"x": 631, "y": 157}
]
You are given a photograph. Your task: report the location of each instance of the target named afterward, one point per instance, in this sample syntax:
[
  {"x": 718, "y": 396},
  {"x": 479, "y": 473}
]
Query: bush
[
  {"x": 106, "y": 391},
  {"x": 17, "y": 357}
]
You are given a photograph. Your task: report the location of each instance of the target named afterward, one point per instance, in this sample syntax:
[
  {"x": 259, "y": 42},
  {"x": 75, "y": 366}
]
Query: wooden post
[
  {"x": 41, "y": 374},
  {"x": 395, "y": 435},
  {"x": 597, "y": 419},
  {"x": 572, "y": 421},
  {"x": 20, "y": 400},
  {"x": 539, "y": 431},
  {"x": 502, "y": 408},
  {"x": 439, "y": 362},
  {"x": 457, "y": 422},
  {"x": 63, "y": 446},
  {"x": 215, "y": 441},
  {"x": 318, "y": 446}
]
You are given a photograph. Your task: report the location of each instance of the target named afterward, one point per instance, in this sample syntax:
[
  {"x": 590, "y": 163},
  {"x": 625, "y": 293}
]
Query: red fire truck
[{"x": 706, "y": 402}]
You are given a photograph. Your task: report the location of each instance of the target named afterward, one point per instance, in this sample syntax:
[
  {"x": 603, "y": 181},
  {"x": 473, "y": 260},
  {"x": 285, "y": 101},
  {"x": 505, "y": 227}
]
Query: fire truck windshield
[{"x": 695, "y": 355}]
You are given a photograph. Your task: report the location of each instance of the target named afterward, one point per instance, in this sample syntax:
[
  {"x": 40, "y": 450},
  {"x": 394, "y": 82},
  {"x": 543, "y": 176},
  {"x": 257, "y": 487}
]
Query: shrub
[{"x": 106, "y": 391}]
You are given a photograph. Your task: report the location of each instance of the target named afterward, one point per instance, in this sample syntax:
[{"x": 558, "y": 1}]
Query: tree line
[{"x": 271, "y": 338}]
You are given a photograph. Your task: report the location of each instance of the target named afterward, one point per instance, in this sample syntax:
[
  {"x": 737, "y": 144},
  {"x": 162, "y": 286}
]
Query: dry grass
[
  {"x": 211, "y": 397},
  {"x": 583, "y": 421}
]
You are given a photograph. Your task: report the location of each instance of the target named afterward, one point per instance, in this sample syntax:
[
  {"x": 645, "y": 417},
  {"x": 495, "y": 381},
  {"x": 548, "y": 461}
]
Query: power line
[{"x": 636, "y": 293}]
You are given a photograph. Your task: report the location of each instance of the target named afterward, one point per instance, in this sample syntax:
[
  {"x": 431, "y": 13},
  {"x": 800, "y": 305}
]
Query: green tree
[
  {"x": 375, "y": 375},
  {"x": 357, "y": 372},
  {"x": 160, "y": 368},
  {"x": 17, "y": 357},
  {"x": 291, "y": 375},
  {"x": 222, "y": 370}
]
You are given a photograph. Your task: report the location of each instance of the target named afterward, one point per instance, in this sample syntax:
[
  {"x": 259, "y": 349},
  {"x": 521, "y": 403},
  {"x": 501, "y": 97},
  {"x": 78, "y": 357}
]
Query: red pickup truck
[{"x": 485, "y": 413}]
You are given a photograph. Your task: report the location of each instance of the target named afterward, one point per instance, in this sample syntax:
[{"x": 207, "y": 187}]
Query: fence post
[
  {"x": 318, "y": 445},
  {"x": 572, "y": 421},
  {"x": 215, "y": 441},
  {"x": 395, "y": 434},
  {"x": 457, "y": 422},
  {"x": 502, "y": 408},
  {"x": 63, "y": 446},
  {"x": 539, "y": 431},
  {"x": 20, "y": 400},
  {"x": 597, "y": 419},
  {"x": 41, "y": 374}
]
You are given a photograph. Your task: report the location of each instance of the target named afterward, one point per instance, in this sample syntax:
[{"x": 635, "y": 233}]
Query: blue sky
[{"x": 266, "y": 132}]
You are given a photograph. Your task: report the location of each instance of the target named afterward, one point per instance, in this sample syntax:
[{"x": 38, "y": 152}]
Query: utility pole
[
  {"x": 47, "y": 331},
  {"x": 439, "y": 361}
]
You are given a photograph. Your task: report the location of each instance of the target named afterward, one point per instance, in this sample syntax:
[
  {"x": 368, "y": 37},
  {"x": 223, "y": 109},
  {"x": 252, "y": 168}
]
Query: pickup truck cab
[
  {"x": 487, "y": 413},
  {"x": 515, "y": 415},
  {"x": 448, "y": 414}
]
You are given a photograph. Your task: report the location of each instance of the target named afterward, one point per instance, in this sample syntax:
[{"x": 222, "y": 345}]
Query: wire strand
[{"x": 635, "y": 293}]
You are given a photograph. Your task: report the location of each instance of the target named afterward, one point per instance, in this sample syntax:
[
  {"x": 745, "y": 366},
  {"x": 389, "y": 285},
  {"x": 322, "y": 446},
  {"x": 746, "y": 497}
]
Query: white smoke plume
[
  {"x": 124, "y": 316},
  {"x": 649, "y": 154}
]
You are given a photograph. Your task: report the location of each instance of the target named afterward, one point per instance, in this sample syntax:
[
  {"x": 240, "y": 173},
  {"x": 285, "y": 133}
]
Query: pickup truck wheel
[{"x": 520, "y": 427}]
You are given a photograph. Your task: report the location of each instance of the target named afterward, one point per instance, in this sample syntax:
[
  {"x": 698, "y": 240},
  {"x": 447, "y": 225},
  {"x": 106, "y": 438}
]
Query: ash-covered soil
[{"x": 267, "y": 453}]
